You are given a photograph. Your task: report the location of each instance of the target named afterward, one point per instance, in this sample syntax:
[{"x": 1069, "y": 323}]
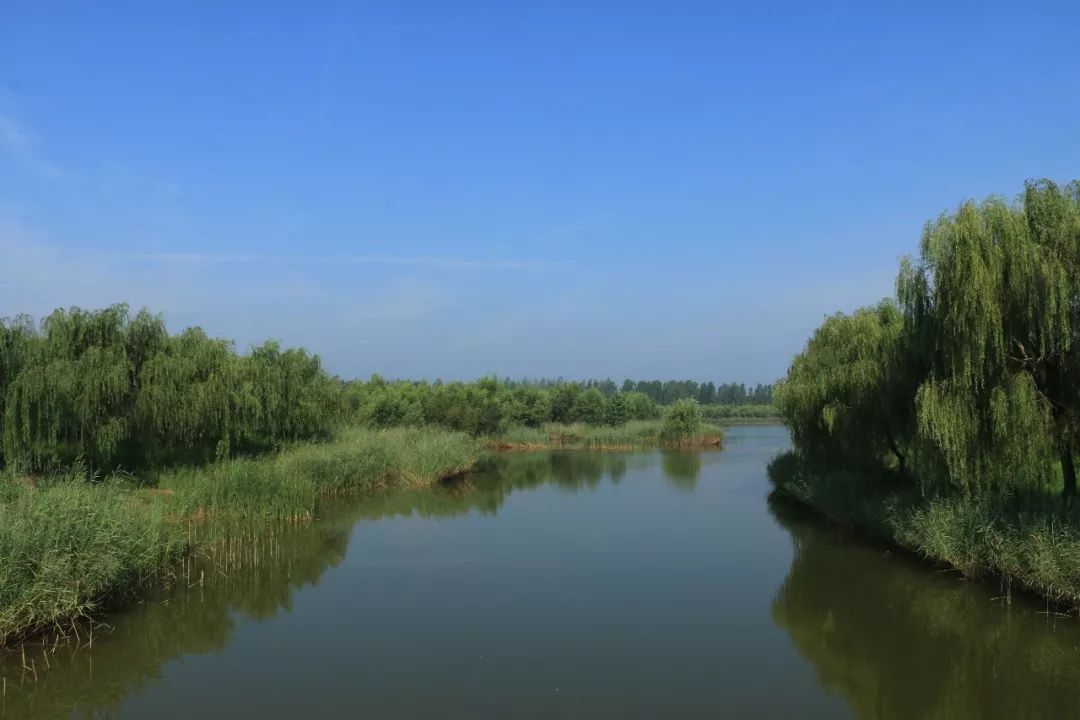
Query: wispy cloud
[
  {"x": 296, "y": 304},
  {"x": 445, "y": 263},
  {"x": 19, "y": 144}
]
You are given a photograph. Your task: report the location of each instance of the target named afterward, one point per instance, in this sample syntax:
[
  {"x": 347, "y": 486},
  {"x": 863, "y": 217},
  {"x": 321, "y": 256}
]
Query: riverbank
[
  {"x": 754, "y": 414},
  {"x": 1027, "y": 542},
  {"x": 634, "y": 435},
  {"x": 71, "y": 547},
  {"x": 738, "y": 421}
]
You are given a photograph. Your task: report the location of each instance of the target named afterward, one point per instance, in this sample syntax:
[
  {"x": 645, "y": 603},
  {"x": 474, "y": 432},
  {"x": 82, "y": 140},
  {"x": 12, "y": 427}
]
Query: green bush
[{"x": 682, "y": 420}]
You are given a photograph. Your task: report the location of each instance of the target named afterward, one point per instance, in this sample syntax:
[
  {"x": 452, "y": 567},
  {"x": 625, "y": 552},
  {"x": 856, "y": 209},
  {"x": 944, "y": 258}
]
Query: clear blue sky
[{"x": 662, "y": 189}]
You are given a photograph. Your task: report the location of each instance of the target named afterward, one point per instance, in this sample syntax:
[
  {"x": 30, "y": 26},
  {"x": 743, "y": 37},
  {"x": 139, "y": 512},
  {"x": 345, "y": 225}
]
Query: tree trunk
[
  {"x": 900, "y": 459},
  {"x": 1068, "y": 470}
]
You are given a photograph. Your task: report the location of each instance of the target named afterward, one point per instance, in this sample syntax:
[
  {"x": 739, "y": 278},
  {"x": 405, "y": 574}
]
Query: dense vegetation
[
  {"x": 937, "y": 655},
  {"x": 683, "y": 425},
  {"x": 665, "y": 392},
  {"x": 116, "y": 390},
  {"x": 490, "y": 407},
  {"x": 741, "y": 414},
  {"x": 259, "y": 577},
  {"x": 69, "y": 544},
  {"x": 953, "y": 409},
  {"x": 123, "y": 447}
]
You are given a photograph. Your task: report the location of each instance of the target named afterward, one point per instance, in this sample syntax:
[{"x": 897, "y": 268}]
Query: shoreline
[
  {"x": 79, "y": 547},
  {"x": 1029, "y": 545},
  {"x": 504, "y": 446},
  {"x": 76, "y": 547},
  {"x": 633, "y": 435}
]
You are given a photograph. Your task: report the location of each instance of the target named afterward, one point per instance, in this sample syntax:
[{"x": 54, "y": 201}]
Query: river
[{"x": 566, "y": 585}]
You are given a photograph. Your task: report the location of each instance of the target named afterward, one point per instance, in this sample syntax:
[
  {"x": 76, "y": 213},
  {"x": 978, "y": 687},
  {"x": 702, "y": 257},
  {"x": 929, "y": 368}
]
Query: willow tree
[
  {"x": 115, "y": 389},
  {"x": 18, "y": 338},
  {"x": 189, "y": 404},
  {"x": 295, "y": 397},
  {"x": 847, "y": 396},
  {"x": 74, "y": 396},
  {"x": 992, "y": 305}
]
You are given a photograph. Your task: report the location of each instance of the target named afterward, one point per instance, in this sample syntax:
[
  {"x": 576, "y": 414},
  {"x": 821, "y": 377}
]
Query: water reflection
[
  {"x": 486, "y": 616},
  {"x": 898, "y": 641},
  {"x": 486, "y": 489},
  {"x": 256, "y": 578},
  {"x": 681, "y": 468}
]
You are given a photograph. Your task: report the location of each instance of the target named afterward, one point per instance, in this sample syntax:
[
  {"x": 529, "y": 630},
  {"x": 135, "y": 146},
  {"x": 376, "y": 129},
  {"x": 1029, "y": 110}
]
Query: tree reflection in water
[{"x": 898, "y": 640}]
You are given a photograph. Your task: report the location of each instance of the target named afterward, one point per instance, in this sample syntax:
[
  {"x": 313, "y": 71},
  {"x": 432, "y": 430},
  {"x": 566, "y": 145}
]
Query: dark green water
[{"x": 569, "y": 585}]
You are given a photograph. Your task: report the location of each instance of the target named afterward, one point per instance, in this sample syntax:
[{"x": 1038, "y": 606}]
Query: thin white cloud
[
  {"x": 417, "y": 261},
  {"x": 292, "y": 303},
  {"x": 444, "y": 262},
  {"x": 17, "y": 143}
]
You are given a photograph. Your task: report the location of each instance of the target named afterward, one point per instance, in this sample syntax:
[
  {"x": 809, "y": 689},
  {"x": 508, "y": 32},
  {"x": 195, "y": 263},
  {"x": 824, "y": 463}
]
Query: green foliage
[
  {"x": 1025, "y": 538},
  {"x": 992, "y": 309},
  {"x": 488, "y": 406},
  {"x": 741, "y": 413},
  {"x": 71, "y": 543},
  {"x": 563, "y": 400},
  {"x": 588, "y": 408},
  {"x": 682, "y": 420},
  {"x": 640, "y": 406},
  {"x": 847, "y": 396},
  {"x": 970, "y": 381},
  {"x": 117, "y": 390},
  {"x": 618, "y": 410},
  {"x": 938, "y": 654},
  {"x": 635, "y": 434},
  {"x": 530, "y": 407},
  {"x": 667, "y": 392}
]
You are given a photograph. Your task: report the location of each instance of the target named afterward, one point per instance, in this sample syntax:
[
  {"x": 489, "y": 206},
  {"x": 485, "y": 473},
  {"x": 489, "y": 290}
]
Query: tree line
[
  {"x": 665, "y": 392},
  {"x": 489, "y": 406},
  {"x": 969, "y": 378},
  {"x": 115, "y": 389}
]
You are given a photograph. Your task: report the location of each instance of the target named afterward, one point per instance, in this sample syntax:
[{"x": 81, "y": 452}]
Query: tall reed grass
[
  {"x": 636, "y": 434},
  {"x": 1023, "y": 540},
  {"x": 71, "y": 544}
]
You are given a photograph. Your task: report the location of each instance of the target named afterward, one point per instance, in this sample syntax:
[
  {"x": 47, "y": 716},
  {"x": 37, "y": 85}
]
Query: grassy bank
[
  {"x": 753, "y": 414},
  {"x": 71, "y": 546},
  {"x": 1025, "y": 541},
  {"x": 764, "y": 420},
  {"x": 634, "y": 435}
]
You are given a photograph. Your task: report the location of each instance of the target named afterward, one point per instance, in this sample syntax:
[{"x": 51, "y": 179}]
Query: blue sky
[{"x": 426, "y": 189}]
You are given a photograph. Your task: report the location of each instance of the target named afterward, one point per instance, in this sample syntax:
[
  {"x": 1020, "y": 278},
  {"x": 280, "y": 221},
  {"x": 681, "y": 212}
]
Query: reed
[
  {"x": 1025, "y": 540},
  {"x": 634, "y": 435},
  {"x": 72, "y": 544},
  {"x": 68, "y": 544}
]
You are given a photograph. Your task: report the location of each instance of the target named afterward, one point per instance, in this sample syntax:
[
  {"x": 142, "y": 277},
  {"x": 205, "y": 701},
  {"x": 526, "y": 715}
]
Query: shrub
[{"x": 682, "y": 420}]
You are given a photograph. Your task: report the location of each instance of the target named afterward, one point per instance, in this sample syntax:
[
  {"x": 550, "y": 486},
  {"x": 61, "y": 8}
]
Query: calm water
[{"x": 569, "y": 585}]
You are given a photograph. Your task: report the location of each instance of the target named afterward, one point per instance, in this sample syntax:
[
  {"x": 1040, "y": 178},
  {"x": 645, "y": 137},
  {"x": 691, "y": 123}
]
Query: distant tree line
[
  {"x": 665, "y": 392},
  {"x": 489, "y": 406},
  {"x": 114, "y": 389}
]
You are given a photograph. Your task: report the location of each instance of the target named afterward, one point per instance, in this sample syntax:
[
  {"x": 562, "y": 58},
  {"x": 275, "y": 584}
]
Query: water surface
[{"x": 568, "y": 585}]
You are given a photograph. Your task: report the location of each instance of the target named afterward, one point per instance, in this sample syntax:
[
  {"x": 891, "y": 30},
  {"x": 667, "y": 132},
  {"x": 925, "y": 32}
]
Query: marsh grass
[
  {"x": 1028, "y": 541},
  {"x": 636, "y": 434},
  {"x": 72, "y": 544},
  {"x": 68, "y": 544},
  {"x": 750, "y": 414}
]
